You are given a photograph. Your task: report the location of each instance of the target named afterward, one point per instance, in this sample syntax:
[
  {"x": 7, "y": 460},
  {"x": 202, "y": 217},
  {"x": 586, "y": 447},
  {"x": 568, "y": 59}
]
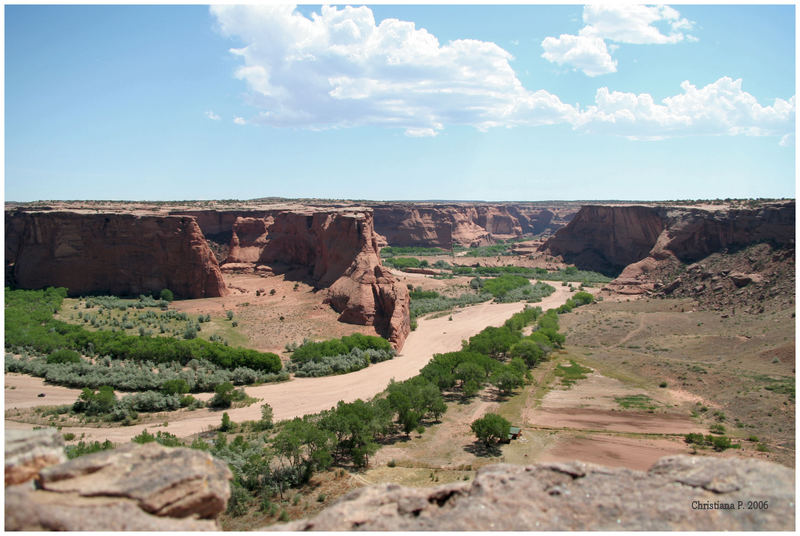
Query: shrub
[
  {"x": 177, "y": 386},
  {"x": 82, "y": 448},
  {"x": 144, "y": 437},
  {"x": 229, "y": 315},
  {"x": 95, "y": 403},
  {"x": 266, "y": 416},
  {"x": 166, "y": 295},
  {"x": 226, "y": 423},
  {"x": 63, "y": 356}
]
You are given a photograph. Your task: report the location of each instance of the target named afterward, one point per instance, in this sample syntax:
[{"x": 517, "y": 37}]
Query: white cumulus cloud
[
  {"x": 339, "y": 69},
  {"x": 719, "y": 108},
  {"x": 629, "y": 24},
  {"x": 587, "y": 53},
  {"x": 211, "y": 115}
]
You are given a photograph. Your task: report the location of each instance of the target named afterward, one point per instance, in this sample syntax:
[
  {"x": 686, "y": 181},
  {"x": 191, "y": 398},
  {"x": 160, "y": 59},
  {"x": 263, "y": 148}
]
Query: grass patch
[
  {"x": 572, "y": 373},
  {"x": 642, "y": 402}
]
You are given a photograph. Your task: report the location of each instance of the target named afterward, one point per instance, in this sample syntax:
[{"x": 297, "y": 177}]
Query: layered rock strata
[
  {"x": 677, "y": 493},
  {"x": 119, "y": 254},
  {"x": 462, "y": 224},
  {"x": 340, "y": 251},
  {"x": 640, "y": 240},
  {"x": 133, "y": 487}
]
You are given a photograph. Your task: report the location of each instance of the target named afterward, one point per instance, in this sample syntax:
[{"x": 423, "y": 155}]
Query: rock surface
[
  {"x": 446, "y": 225},
  {"x": 134, "y": 487},
  {"x": 340, "y": 251},
  {"x": 641, "y": 240},
  {"x": 677, "y": 493},
  {"x": 28, "y": 452},
  {"x": 119, "y": 254}
]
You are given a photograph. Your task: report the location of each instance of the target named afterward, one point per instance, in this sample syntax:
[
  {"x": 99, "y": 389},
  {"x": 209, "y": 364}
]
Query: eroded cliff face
[
  {"x": 118, "y": 254},
  {"x": 608, "y": 238},
  {"x": 464, "y": 224},
  {"x": 340, "y": 250},
  {"x": 640, "y": 240}
]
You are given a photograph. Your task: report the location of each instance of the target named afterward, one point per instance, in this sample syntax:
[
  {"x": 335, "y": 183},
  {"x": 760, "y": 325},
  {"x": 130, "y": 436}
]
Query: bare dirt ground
[
  {"x": 269, "y": 321},
  {"x": 591, "y": 404},
  {"x": 302, "y": 396},
  {"x": 613, "y": 451},
  {"x": 22, "y": 391}
]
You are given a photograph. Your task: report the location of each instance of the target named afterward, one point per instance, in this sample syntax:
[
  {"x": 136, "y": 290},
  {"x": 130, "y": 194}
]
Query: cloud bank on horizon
[{"x": 340, "y": 69}]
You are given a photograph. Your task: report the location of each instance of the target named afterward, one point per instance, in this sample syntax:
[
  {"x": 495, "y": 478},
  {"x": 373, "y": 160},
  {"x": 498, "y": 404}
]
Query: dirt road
[{"x": 303, "y": 396}]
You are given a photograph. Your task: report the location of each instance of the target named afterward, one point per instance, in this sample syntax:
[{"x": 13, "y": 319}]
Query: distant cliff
[
  {"x": 638, "y": 239},
  {"x": 461, "y": 224},
  {"x": 340, "y": 250},
  {"x": 118, "y": 254}
]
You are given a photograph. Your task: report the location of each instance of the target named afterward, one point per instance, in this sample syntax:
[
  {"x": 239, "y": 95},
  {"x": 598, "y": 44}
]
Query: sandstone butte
[
  {"x": 127, "y": 254},
  {"x": 341, "y": 252},
  {"x": 642, "y": 239}
]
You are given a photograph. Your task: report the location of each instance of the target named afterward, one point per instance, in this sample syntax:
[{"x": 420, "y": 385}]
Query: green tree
[
  {"x": 506, "y": 380},
  {"x": 304, "y": 446},
  {"x": 490, "y": 428},
  {"x": 95, "y": 403},
  {"x": 226, "y": 423},
  {"x": 167, "y": 295},
  {"x": 527, "y": 350},
  {"x": 266, "y": 417},
  {"x": 223, "y": 396}
]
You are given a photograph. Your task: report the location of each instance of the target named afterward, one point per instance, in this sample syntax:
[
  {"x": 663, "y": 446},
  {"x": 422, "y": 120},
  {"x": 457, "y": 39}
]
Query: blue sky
[{"x": 399, "y": 102}]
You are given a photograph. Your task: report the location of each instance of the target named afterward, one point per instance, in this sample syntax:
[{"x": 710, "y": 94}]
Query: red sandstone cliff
[
  {"x": 644, "y": 239},
  {"x": 463, "y": 224},
  {"x": 118, "y": 254},
  {"x": 340, "y": 249}
]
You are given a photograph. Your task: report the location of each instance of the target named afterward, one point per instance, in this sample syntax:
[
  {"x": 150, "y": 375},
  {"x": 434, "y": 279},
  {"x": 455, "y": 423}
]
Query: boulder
[
  {"x": 30, "y": 451},
  {"x": 677, "y": 493},
  {"x": 133, "y": 487}
]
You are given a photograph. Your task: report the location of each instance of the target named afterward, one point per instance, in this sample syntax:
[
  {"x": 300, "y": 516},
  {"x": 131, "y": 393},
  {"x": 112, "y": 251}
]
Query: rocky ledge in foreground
[
  {"x": 133, "y": 487},
  {"x": 677, "y": 493}
]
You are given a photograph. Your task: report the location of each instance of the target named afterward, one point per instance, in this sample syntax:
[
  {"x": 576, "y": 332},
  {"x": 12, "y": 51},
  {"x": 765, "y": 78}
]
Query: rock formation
[
  {"x": 677, "y": 493},
  {"x": 460, "y": 224},
  {"x": 118, "y": 254},
  {"x": 339, "y": 249},
  {"x": 133, "y": 487},
  {"x": 640, "y": 240}
]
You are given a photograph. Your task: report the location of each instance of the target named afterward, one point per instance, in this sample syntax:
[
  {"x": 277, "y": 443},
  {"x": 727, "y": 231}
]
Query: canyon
[{"x": 140, "y": 248}]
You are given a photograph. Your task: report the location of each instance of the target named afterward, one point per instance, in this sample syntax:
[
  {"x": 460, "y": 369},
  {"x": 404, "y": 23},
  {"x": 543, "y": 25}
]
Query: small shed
[{"x": 514, "y": 432}]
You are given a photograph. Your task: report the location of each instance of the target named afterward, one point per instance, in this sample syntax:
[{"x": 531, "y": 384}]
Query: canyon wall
[
  {"x": 119, "y": 254},
  {"x": 638, "y": 240},
  {"x": 461, "y": 224},
  {"x": 415, "y": 224},
  {"x": 340, "y": 250}
]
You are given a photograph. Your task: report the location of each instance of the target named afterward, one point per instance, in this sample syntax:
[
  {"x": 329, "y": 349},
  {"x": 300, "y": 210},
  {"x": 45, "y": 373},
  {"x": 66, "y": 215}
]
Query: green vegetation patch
[
  {"x": 339, "y": 356},
  {"x": 642, "y": 402},
  {"x": 566, "y": 274},
  {"x": 718, "y": 443},
  {"x": 30, "y": 324},
  {"x": 572, "y": 373},
  {"x": 393, "y": 251}
]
